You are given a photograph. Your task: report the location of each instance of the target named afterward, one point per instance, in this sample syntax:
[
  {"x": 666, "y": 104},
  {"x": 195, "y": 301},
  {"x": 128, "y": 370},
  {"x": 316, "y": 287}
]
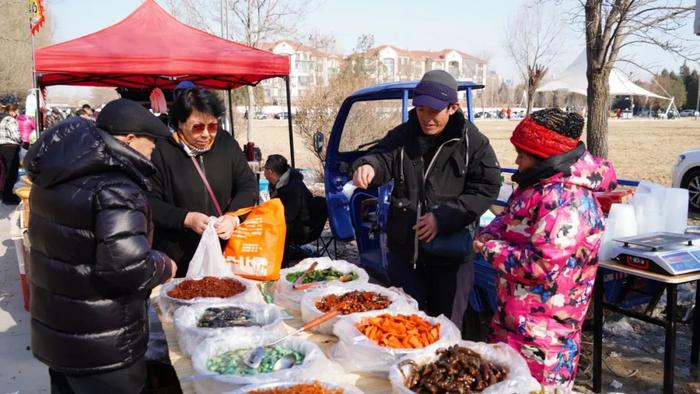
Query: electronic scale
[{"x": 666, "y": 253}]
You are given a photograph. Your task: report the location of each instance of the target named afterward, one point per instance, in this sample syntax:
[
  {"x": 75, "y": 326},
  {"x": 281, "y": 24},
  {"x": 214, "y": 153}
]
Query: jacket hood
[
  {"x": 77, "y": 148},
  {"x": 291, "y": 175},
  {"x": 591, "y": 172}
]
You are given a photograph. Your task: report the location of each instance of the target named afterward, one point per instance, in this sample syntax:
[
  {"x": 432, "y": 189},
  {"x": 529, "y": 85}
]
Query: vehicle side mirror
[{"x": 318, "y": 142}]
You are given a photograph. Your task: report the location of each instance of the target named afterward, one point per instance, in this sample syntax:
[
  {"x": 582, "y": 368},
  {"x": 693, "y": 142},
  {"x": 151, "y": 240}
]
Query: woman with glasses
[{"x": 202, "y": 173}]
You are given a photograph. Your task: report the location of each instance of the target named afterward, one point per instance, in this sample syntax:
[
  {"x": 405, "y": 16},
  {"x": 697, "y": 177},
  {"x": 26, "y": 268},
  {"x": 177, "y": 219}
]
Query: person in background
[
  {"x": 92, "y": 266},
  {"x": 83, "y": 114},
  {"x": 198, "y": 158},
  {"x": 446, "y": 175},
  {"x": 10, "y": 142},
  {"x": 88, "y": 111},
  {"x": 26, "y": 128},
  {"x": 287, "y": 184},
  {"x": 52, "y": 118},
  {"x": 544, "y": 246}
]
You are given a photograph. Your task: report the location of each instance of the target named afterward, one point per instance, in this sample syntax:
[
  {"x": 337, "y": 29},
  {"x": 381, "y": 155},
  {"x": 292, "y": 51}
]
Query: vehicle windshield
[{"x": 368, "y": 122}]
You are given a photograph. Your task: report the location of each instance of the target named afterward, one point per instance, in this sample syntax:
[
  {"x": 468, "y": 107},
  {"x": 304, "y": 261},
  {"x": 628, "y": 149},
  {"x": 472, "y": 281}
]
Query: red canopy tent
[{"x": 150, "y": 48}]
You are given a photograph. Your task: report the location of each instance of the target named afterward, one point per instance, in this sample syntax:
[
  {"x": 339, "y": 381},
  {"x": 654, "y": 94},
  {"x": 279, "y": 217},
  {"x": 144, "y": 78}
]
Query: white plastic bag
[
  {"x": 347, "y": 389},
  {"x": 315, "y": 363},
  {"x": 168, "y": 304},
  {"x": 286, "y": 296},
  {"x": 357, "y": 353},
  {"x": 267, "y": 318},
  {"x": 518, "y": 379},
  {"x": 400, "y": 301},
  {"x": 208, "y": 259}
]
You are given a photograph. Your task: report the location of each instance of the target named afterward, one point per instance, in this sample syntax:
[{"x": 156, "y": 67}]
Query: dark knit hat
[
  {"x": 436, "y": 90},
  {"x": 124, "y": 116},
  {"x": 548, "y": 132}
]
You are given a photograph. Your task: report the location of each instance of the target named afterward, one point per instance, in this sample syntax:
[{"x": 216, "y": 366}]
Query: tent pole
[
  {"x": 39, "y": 116},
  {"x": 289, "y": 120},
  {"x": 230, "y": 110}
]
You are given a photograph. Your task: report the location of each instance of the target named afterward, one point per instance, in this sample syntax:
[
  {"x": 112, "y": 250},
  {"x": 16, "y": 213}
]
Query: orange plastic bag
[{"x": 256, "y": 247}]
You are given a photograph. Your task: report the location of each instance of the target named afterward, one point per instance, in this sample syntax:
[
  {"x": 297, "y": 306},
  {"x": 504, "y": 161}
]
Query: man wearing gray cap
[
  {"x": 445, "y": 176},
  {"x": 92, "y": 267}
]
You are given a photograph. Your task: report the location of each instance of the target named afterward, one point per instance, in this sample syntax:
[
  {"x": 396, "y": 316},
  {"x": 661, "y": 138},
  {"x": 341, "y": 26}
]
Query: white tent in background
[{"x": 574, "y": 80}]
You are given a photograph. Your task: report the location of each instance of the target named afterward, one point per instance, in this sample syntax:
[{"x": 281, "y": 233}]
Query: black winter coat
[
  {"x": 296, "y": 199},
  {"x": 178, "y": 189},
  {"x": 92, "y": 267},
  {"x": 456, "y": 195}
]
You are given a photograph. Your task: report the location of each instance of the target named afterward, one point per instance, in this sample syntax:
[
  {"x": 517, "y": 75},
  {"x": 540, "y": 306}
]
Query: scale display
[{"x": 670, "y": 253}]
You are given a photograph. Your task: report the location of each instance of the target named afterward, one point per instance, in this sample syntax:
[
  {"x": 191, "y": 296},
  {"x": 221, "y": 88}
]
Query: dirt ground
[{"x": 639, "y": 149}]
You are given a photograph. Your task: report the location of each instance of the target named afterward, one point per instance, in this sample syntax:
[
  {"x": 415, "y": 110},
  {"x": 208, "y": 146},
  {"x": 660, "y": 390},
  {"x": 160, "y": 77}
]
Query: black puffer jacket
[
  {"x": 297, "y": 201},
  {"x": 92, "y": 267},
  {"x": 456, "y": 195}
]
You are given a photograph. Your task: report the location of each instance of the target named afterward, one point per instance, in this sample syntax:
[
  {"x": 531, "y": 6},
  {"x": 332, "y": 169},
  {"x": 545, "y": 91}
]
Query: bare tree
[
  {"x": 251, "y": 22},
  {"x": 255, "y": 21},
  {"x": 193, "y": 13},
  {"x": 533, "y": 40},
  {"x": 611, "y": 25},
  {"x": 16, "y": 47},
  {"x": 317, "y": 109}
]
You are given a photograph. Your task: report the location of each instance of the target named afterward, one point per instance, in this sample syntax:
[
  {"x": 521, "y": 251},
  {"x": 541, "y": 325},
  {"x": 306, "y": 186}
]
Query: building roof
[
  {"x": 299, "y": 47},
  {"x": 435, "y": 55}
]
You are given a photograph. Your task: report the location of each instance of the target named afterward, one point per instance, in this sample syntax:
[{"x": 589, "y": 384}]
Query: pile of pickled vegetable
[
  {"x": 306, "y": 388},
  {"x": 209, "y": 286},
  {"x": 233, "y": 362},
  {"x": 457, "y": 370},
  {"x": 320, "y": 275},
  {"x": 353, "y": 302},
  {"x": 230, "y": 316},
  {"x": 399, "y": 331}
]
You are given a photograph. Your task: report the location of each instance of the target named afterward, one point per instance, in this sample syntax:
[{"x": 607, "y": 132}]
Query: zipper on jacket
[{"x": 416, "y": 242}]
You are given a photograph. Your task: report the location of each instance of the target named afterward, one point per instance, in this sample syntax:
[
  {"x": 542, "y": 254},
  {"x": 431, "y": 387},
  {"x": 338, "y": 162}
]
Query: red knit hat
[{"x": 548, "y": 132}]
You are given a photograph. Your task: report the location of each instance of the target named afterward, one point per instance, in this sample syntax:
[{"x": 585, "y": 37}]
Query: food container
[
  {"x": 288, "y": 297},
  {"x": 517, "y": 380},
  {"x": 169, "y": 304},
  {"x": 314, "y": 364},
  {"x": 399, "y": 301},
  {"x": 265, "y": 318},
  {"x": 357, "y": 353},
  {"x": 330, "y": 387}
]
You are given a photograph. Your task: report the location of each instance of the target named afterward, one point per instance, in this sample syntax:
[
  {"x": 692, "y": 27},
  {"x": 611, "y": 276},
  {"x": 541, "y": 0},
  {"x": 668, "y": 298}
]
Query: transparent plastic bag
[
  {"x": 208, "y": 259},
  {"x": 518, "y": 379},
  {"x": 315, "y": 363},
  {"x": 168, "y": 305},
  {"x": 286, "y": 296},
  {"x": 400, "y": 301},
  {"x": 346, "y": 388},
  {"x": 357, "y": 353},
  {"x": 268, "y": 318}
]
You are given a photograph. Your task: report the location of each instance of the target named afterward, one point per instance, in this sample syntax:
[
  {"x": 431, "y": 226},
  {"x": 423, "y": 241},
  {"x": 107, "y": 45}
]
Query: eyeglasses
[{"x": 199, "y": 127}]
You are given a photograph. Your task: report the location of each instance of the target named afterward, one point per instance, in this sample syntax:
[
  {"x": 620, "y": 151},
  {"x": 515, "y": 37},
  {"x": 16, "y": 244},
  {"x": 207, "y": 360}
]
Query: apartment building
[
  {"x": 311, "y": 67},
  {"x": 405, "y": 65}
]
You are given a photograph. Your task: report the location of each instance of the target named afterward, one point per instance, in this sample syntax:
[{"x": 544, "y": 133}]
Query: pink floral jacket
[{"x": 545, "y": 250}]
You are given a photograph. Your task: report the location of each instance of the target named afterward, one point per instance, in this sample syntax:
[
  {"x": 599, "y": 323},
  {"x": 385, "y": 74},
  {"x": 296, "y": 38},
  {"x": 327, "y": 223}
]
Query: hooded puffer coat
[
  {"x": 92, "y": 267},
  {"x": 545, "y": 249}
]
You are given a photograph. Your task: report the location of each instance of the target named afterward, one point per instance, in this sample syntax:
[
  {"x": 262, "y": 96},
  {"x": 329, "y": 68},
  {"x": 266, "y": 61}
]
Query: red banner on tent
[{"x": 36, "y": 15}]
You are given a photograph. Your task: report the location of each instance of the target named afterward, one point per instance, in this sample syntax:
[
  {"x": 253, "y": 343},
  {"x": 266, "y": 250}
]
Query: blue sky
[{"x": 473, "y": 26}]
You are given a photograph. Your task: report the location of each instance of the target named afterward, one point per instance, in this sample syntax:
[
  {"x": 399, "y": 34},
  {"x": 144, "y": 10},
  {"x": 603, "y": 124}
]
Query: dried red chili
[
  {"x": 353, "y": 302},
  {"x": 307, "y": 388},
  {"x": 208, "y": 286}
]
